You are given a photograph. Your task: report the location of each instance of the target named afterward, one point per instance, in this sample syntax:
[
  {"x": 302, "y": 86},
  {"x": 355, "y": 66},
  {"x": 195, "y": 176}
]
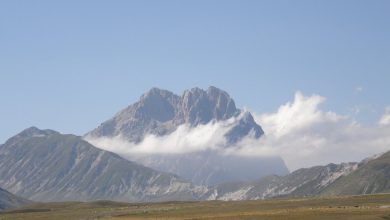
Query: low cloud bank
[
  {"x": 184, "y": 139},
  {"x": 304, "y": 135},
  {"x": 299, "y": 131}
]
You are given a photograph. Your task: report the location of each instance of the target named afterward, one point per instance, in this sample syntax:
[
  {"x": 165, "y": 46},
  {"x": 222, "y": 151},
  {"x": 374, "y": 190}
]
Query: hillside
[
  {"x": 44, "y": 165},
  {"x": 372, "y": 176},
  {"x": 8, "y": 200}
]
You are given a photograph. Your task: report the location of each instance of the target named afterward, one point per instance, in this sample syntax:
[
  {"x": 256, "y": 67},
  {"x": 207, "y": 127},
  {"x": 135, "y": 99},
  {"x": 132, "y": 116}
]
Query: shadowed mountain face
[
  {"x": 160, "y": 112},
  {"x": 44, "y": 165},
  {"x": 9, "y": 201}
]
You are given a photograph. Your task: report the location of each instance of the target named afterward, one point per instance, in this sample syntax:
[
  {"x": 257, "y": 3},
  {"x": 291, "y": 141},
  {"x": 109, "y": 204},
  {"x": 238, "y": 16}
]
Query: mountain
[
  {"x": 371, "y": 176},
  {"x": 160, "y": 113},
  {"x": 8, "y": 200},
  {"x": 44, "y": 165},
  {"x": 303, "y": 182}
]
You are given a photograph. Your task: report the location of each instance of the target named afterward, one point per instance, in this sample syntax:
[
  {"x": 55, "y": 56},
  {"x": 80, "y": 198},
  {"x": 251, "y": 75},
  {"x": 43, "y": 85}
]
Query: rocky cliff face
[
  {"x": 44, "y": 165},
  {"x": 160, "y": 112}
]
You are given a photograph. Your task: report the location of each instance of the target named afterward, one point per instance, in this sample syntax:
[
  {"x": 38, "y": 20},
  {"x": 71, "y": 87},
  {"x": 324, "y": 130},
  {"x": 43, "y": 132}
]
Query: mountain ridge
[
  {"x": 44, "y": 165},
  {"x": 369, "y": 176},
  {"x": 160, "y": 112},
  {"x": 23, "y": 161}
]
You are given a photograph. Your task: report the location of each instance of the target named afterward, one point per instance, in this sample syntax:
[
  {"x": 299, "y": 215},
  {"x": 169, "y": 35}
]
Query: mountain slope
[
  {"x": 8, "y": 200},
  {"x": 367, "y": 177},
  {"x": 303, "y": 182},
  {"x": 44, "y": 165},
  {"x": 372, "y": 176}
]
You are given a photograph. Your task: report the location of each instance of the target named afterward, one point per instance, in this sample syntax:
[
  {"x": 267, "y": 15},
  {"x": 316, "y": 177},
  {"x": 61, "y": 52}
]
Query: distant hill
[
  {"x": 367, "y": 177},
  {"x": 8, "y": 200},
  {"x": 303, "y": 182},
  {"x": 371, "y": 176},
  {"x": 44, "y": 165}
]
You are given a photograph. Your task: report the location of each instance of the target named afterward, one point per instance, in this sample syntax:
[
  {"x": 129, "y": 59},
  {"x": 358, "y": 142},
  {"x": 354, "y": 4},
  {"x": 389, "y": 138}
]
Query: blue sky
[{"x": 70, "y": 65}]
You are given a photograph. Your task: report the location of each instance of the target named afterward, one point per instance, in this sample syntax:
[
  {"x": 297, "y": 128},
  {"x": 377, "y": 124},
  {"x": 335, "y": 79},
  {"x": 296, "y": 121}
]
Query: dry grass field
[{"x": 335, "y": 208}]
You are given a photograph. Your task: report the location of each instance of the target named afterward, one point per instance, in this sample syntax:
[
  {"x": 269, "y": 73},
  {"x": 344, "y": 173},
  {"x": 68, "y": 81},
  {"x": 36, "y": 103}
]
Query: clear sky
[{"x": 69, "y": 65}]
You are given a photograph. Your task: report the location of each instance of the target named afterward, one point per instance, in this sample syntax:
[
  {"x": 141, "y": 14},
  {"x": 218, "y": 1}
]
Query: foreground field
[{"x": 356, "y": 207}]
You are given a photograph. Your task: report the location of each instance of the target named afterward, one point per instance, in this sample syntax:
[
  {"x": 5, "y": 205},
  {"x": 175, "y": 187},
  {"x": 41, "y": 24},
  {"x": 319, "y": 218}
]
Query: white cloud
[
  {"x": 304, "y": 135},
  {"x": 301, "y": 115},
  {"x": 299, "y": 131},
  {"x": 184, "y": 139},
  {"x": 385, "y": 119}
]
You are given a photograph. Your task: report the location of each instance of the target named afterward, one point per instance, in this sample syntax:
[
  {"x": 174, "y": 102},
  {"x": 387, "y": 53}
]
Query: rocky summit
[{"x": 160, "y": 112}]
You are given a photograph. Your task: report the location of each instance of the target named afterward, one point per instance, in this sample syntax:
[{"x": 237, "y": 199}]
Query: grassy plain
[{"x": 336, "y": 208}]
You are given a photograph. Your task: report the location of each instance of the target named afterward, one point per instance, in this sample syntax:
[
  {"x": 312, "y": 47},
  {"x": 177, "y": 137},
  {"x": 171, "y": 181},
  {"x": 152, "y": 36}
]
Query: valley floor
[{"x": 336, "y": 208}]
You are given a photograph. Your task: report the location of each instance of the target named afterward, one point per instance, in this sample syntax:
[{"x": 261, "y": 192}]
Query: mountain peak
[
  {"x": 160, "y": 112},
  {"x": 200, "y": 106},
  {"x": 212, "y": 91},
  {"x": 36, "y": 132},
  {"x": 156, "y": 104},
  {"x": 67, "y": 168},
  {"x": 31, "y": 132},
  {"x": 154, "y": 91}
]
